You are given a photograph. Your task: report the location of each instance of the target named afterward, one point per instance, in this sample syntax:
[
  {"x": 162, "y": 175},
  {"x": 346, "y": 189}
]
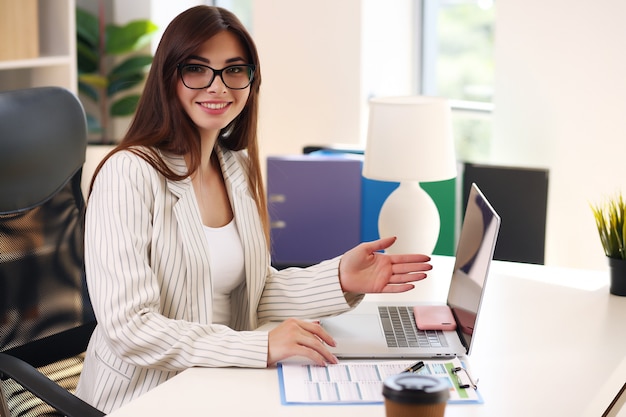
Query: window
[{"x": 457, "y": 63}]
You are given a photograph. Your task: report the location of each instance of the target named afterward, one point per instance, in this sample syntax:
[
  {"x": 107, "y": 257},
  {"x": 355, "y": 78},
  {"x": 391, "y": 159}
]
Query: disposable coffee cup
[{"x": 412, "y": 395}]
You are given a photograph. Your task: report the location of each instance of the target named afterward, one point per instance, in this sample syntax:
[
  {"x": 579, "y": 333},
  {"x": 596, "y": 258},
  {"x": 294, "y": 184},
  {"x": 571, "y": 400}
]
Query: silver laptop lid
[{"x": 474, "y": 253}]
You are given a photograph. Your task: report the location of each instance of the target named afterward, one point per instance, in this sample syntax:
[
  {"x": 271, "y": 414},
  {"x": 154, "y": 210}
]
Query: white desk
[{"x": 547, "y": 340}]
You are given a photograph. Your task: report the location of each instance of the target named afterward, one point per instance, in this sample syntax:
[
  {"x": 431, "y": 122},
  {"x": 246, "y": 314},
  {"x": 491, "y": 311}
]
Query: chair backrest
[
  {"x": 43, "y": 139},
  {"x": 520, "y": 196}
]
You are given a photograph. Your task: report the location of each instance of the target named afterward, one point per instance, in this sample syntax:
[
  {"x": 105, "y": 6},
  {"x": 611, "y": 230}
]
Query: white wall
[
  {"x": 310, "y": 56},
  {"x": 390, "y": 45},
  {"x": 322, "y": 60},
  {"x": 162, "y": 13},
  {"x": 561, "y": 103}
]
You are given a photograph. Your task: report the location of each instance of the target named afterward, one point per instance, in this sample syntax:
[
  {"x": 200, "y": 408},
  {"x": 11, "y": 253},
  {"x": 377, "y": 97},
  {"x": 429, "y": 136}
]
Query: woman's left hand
[{"x": 364, "y": 269}]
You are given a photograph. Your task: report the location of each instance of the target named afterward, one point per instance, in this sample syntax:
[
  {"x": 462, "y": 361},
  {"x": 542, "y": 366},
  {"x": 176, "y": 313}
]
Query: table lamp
[{"x": 409, "y": 140}]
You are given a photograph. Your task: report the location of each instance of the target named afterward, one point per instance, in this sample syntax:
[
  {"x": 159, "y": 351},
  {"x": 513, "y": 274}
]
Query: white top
[{"x": 227, "y": 267}]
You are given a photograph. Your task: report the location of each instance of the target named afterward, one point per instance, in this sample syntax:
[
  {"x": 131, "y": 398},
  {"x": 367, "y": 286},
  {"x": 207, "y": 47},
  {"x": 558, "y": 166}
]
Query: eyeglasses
[{"x": 198, "y": 76}]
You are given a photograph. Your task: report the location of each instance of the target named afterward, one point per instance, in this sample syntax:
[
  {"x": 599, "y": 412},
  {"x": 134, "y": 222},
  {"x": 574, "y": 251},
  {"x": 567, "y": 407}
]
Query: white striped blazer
[{"x": 150, "y": 284}]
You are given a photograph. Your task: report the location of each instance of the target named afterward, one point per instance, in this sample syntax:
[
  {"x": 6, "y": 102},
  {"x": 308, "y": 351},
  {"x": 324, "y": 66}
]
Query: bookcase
[{"x": 46, "y": 33}]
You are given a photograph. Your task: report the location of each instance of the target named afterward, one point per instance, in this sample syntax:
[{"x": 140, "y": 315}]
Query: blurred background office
[{"x": 548, "y": 91}]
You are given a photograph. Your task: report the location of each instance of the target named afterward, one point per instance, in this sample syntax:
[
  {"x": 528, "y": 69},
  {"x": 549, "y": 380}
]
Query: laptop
[{"x": 388, "y": 330}]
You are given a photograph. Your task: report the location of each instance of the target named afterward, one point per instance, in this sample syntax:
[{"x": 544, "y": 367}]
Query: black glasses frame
[{"x": 216, "y": 72}]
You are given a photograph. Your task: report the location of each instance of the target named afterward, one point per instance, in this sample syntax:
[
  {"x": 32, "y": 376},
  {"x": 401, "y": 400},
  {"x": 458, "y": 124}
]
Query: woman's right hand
[{"x": 295, "y": 337}]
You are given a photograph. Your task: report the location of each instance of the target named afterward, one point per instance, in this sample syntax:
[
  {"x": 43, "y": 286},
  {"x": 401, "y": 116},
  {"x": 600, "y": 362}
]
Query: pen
[{"x": 415, "y": 367}]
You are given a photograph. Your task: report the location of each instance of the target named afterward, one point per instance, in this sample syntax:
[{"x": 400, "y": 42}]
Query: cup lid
[{"x": 415, "y": 389}]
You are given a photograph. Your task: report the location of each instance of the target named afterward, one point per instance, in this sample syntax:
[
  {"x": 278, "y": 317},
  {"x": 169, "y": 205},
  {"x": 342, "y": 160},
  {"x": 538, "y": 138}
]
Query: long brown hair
[{"x": 161, "y": 123}]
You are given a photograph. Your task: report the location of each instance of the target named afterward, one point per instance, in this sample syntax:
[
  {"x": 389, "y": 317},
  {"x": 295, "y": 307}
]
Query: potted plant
[
  {"x": 611, "y": 223},
  {"x": 110, "y": 64}
]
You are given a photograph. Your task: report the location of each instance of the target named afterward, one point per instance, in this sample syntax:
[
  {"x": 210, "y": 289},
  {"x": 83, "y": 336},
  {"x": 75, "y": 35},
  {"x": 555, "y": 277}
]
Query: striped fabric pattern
[{"x": 150, "y": 282}]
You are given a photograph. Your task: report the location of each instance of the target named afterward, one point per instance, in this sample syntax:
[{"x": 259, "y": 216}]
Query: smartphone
[{"x": 434, "y": 317}]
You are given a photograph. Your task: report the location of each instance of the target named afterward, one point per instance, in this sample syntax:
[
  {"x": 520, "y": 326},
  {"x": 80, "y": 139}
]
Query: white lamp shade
[{"x": 409, "y": 138}]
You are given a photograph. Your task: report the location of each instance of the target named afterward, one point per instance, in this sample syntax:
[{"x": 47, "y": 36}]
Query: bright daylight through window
[{"x": 457, "y": 63}]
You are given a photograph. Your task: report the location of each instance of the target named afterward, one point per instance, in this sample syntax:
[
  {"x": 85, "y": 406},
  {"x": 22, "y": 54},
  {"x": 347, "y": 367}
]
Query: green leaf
[
  {"x": 86, "y": 59},
  {"x": 95, "y": 80},
  {"x": 138, "y": 64},
  {"x": 119, "y": 40},
  {"x": 93, "y": 124},
  {"x": 125, "y": 106},
  {"x": 123, "y": 83},
  {"x": 87, "y": 29},
  {"x": 130, "y": 37},
  {"x": 88, "y": 91},
  {"x": 611, "y": 224}
]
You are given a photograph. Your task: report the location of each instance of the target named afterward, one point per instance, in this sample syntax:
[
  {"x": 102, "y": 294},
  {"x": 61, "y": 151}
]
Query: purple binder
[{"x": 315, "y": 206}]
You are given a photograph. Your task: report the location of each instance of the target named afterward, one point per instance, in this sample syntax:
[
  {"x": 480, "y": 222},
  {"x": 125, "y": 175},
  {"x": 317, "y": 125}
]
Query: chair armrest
[
  {"x": 44, "y": 388},
  {"x": 56, "y": 347}
]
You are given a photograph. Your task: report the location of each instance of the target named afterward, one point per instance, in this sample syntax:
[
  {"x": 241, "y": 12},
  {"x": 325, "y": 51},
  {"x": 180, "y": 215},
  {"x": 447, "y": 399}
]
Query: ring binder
[{"x": 464, "y": 383}]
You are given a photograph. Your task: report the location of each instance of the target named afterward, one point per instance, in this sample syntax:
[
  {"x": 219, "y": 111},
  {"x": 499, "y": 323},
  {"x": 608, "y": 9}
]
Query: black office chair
[
  {"x": 520, "y": 196},
  {"x": 45, "y": 315}
]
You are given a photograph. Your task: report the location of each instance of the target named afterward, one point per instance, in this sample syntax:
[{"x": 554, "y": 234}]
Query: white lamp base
[{"x": 412, "y": 216}]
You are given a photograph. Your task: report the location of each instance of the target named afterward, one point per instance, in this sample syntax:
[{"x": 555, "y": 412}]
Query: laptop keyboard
[{"x": 401, "y": 331}]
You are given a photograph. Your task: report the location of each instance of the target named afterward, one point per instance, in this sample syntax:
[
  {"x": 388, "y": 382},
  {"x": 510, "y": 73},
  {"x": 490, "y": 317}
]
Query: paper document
[{"x": 361, "y": 382}]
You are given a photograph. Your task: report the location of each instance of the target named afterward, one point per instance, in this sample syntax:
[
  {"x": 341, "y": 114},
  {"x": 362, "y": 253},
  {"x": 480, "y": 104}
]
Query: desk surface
[{"x": 547, "y": 341}]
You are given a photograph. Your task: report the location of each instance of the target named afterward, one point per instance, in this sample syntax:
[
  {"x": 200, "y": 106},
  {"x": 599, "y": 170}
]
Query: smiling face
[{"x": 214, "y": 107}]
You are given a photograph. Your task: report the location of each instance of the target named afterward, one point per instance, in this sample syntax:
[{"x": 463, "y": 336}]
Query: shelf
[
  {"x": 56, "y": 63},
  {"x": 46, "y": 61}
]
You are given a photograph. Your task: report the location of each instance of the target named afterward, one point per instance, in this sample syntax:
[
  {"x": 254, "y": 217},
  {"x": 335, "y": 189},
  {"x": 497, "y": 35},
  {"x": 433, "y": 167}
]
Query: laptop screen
[{"x": 474, "y": 252}]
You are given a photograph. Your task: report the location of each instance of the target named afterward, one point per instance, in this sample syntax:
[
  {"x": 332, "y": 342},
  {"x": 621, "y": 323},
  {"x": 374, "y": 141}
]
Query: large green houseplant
[
  {"x": 110, "y": 63},
  {"x": 610, "y": 219}
]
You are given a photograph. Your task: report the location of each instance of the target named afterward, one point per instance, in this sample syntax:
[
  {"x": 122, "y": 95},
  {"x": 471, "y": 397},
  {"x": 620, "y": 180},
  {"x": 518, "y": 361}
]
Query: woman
[{"x": 177, "y": 241}]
